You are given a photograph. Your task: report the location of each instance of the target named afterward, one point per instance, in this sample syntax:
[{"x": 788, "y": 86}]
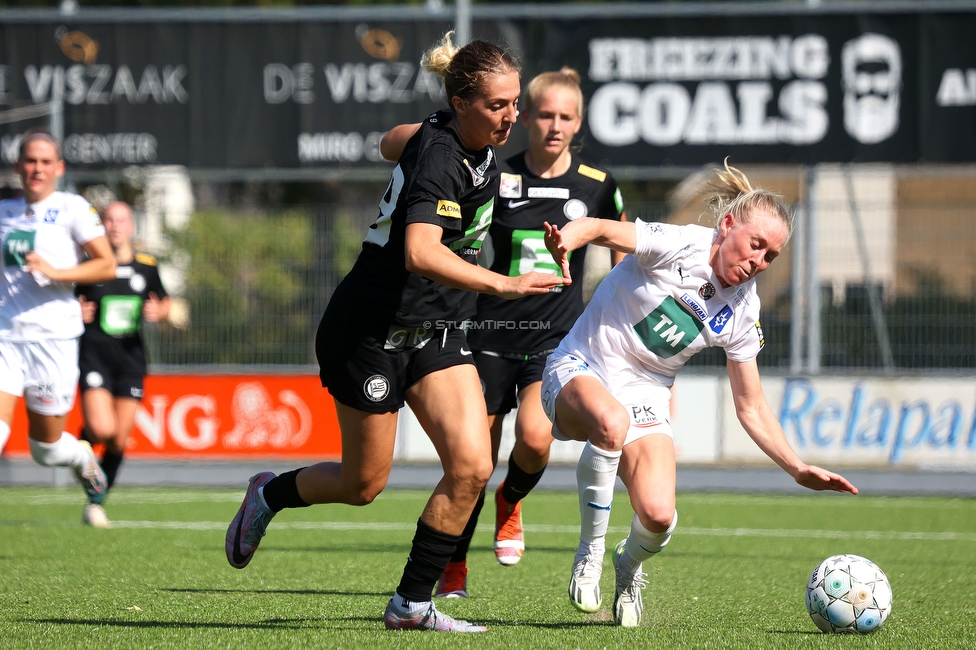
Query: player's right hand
[{"x": 558, "y": 248}]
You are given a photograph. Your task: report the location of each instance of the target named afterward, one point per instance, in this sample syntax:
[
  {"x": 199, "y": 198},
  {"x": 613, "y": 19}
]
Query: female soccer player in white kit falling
[
  {"x": 679, "y": 290},
  {"x": 45, "y": 236}
]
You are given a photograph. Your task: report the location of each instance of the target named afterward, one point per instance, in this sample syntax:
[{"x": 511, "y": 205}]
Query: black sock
[
  {"x": 111, "y": 461},
  {"x": 518, "y": 483},
  {"x": 464, "y": 541},
  {"x": 282, "y": 492},
  {"x": 429, "y": 555}
]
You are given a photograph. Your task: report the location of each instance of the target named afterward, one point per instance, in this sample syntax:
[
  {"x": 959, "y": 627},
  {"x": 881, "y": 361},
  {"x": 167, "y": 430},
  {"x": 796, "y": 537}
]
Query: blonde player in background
[{"x": 45, "y": 236}]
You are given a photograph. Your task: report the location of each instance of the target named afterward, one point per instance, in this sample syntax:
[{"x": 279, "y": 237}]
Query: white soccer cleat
[
  {"x": 94, "y": 516},
  {"x": 584, "y": 586},
  {"x": 628, "y": 603},
  {"x": 91, "y": 476},
  {"x": 428, "y": 619}
]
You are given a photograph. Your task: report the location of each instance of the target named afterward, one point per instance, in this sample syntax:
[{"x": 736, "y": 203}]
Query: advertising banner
[
  {"x": 867, "y": 421},
  {"x": 222, "y": 416},
  {"x": 780, "y": 87}
]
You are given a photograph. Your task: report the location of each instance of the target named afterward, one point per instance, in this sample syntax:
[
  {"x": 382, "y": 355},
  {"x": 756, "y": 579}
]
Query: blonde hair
[
  {"x": 464, "y": 69},
  {"x": 734, "y": 194},
  {"x": 564, "y": 78}
]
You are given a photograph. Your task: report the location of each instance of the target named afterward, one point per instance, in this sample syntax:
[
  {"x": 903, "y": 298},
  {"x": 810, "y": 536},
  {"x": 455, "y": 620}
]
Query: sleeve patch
[
  {"x": 146, "y": 258},
  {"x": 589, "y": 172},
  {"x": 449, "y": 209},
  {"x": 618, "y": 200},
  {"x": 762, "y": 338}
]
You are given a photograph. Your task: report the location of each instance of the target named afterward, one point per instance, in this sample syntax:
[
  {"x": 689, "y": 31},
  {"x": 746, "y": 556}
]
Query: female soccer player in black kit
[
  {"x": 112, "y": 358},
  {"x": 392, "y": 332}
]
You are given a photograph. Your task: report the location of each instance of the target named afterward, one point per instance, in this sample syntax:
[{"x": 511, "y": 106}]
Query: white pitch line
[{"x": 565, "y": 529}]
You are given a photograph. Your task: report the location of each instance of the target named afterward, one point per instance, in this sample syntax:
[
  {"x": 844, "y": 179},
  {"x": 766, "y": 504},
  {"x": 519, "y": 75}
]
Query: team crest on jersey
[
  {"x": 137, "y": 282},
  {"x": 510, "y": 186},
  {"x": 721, "y": 319},
  {"x": 706, "y": 291},
  {"x": 376, "y": 388},
  {"x": 29, "y": 214},
  {"x": 574, "y": 209},
  {"x": 51, "y": 215}
]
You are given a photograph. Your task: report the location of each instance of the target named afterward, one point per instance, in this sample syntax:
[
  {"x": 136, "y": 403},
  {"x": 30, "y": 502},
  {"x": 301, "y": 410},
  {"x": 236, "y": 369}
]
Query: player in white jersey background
[
  {"x": 547, "y": 182},
  {"x": 680, "y": 289},
  {"x": 46, "y": 236}
]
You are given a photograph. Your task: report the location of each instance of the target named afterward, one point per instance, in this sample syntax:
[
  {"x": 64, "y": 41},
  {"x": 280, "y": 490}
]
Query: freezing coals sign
[{"x": 748, "y": 90}]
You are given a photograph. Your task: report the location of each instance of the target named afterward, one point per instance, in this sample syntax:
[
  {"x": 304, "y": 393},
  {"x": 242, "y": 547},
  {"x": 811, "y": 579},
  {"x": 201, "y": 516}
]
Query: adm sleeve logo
[{"x": 448, "y": 209}]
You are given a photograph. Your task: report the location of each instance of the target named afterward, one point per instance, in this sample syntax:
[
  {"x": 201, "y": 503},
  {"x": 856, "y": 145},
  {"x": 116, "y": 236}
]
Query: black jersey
[
  {"x": 524, "y": 202},
  {"x": 118, "y": 310},
  {"x": 436, "y": 181}
]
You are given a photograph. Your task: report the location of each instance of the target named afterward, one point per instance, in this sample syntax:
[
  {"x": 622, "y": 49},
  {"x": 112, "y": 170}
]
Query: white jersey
[
  {"x": 662, "y": 305},
  {"x": 32, "y": 307}
]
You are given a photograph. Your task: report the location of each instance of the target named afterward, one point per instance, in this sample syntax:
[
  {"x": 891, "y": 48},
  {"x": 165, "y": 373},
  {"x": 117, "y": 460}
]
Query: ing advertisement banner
[{"x": 222, "y": 416}]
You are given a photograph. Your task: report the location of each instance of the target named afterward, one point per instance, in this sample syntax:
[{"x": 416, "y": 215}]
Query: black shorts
[
  {"x": 505, "y": 374},
  {"x": 116, "y": 367},
  {"x": 372, "y": 372}
]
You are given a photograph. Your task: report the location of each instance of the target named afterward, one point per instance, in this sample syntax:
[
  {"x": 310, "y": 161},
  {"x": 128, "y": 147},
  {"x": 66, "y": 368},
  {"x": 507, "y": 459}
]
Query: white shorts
[
  {"x": 648, "y": 403},
  {"x": 44, "y": 372}
]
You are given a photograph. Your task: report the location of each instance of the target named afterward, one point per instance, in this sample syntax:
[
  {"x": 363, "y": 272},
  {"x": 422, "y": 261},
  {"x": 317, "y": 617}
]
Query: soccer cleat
[
  {"x": 91, "y": 475},
  {"x": 628, "y": 603},
  {"x": 453, "y": 582},
  {"x": 428, "y": 619},
  {"x": 94, "y": 516},
  {"x": 509, "y": 544},
  {"x": 249, "y": 525},
  {"x": 584, "y": 587}
]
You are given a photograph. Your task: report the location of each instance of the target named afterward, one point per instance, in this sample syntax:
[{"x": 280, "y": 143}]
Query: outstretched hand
[
  {"x": 558, "y": 249},
  {"x": 816, "y": 478}
]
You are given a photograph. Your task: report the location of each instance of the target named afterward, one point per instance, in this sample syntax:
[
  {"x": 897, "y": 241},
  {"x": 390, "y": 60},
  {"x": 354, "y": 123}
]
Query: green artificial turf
[{"x": 733, "y": 576}]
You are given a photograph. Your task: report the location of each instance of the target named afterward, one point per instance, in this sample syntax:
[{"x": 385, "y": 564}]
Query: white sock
[
  {"x": 65, "y": 452},
  {"x": 596, "y": 473},
  {"x": 642, "y": 544},
  {"x": 4, "y": 434},
  {"x": 405, "y": 606}
]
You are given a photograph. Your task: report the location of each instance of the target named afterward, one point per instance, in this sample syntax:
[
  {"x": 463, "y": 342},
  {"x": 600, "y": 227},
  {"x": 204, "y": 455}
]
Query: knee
[
  {"x": 470, "y": 475},
  {"x": 365, "y": 492},
  {"x": 102, "y": 429},
  {"x": 537, "y": 443},
  {"x": 656, "y": 515},
  {"x": 43, "y": 453},
  {"x": 610, "y": 427}
]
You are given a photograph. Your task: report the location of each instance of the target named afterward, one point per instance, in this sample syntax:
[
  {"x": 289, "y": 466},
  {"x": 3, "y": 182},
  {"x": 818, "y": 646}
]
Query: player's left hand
[
  {"x": 817, "y": 478},
  {"x": 558, "y": 249},
  {"x": 151, "y": 308}
]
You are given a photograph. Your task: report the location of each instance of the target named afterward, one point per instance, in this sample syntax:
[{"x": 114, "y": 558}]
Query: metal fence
[{"x": 880, "y": 275}]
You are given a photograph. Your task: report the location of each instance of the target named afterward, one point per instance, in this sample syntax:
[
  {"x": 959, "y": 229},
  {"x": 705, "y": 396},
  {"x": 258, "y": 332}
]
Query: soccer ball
[{"x": 848, "y": 593}]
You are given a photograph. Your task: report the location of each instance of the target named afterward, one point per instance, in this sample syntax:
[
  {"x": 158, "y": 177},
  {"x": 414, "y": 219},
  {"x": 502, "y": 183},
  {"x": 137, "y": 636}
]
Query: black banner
[{"x": 685, "y": 90}]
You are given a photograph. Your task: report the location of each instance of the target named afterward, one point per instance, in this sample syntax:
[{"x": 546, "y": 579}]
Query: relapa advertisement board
[{"x": 684, "y": 90}]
